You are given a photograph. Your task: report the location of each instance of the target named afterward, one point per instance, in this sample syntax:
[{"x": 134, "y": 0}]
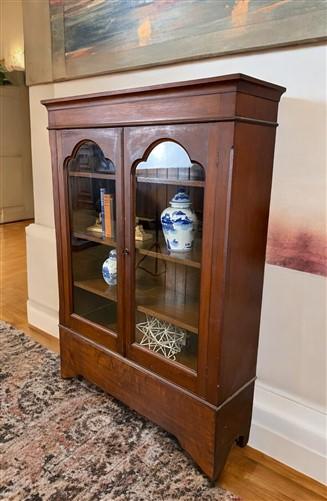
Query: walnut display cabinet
[{"x": 175, "y": 335}]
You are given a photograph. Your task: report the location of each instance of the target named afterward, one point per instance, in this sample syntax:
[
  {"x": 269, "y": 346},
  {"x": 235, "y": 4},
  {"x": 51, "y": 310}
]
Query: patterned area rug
[{"x": 68, "y": 440}]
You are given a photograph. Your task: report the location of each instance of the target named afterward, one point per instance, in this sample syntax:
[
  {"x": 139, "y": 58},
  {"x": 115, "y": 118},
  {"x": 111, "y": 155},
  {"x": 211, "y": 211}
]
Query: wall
[
  {"x": 290, "y": 399},
  {"x": 16, "y": 189},
  {"x": 16, "y": 186},
  {"x": 12, "y": 38}
]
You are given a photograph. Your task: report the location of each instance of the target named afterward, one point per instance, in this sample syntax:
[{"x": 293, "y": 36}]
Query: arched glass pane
[
  {"x": 168, "y": 239},
  {"x": 90, "y": 158},
  {"x": 169, "y": 159},
  {"x": 92, "y": 199}
]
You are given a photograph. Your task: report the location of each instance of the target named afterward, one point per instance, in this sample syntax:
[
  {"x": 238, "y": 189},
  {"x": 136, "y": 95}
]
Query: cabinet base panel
[{"x": 205, "y": 431}]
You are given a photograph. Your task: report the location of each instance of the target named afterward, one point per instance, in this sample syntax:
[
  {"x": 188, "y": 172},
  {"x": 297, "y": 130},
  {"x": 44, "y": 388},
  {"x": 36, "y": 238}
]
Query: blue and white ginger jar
[
  {"x": 109, "y": 268},
  {"x": 179, "y": 223}
]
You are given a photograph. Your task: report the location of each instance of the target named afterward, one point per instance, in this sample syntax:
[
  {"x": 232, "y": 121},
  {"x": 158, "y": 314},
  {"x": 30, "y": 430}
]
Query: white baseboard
[
  {"x": 43, "y": 300},
  {"x": 291, "y": 431},
  {"x": 43, "y": 318}
]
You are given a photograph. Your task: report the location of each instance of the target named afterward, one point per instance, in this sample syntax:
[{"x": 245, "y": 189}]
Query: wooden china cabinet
[{"x": 176, "y": 337}]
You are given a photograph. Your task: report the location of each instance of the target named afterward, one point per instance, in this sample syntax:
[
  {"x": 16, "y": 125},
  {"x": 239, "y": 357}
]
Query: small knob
[{"x": 125, "y": 252}]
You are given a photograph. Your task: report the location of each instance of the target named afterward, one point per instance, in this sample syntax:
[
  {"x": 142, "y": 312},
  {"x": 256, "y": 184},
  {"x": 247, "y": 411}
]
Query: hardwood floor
[
  {"x": 248, "y": 473},
  {"x": 13, "y": 282}
]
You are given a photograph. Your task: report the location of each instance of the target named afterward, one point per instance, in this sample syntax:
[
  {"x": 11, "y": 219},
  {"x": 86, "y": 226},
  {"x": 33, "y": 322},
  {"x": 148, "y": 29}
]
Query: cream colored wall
[
  {"x": 290, "y": 401},
  {"x": 11, "y": 37},
  {"x": 16, "y": 184},
  {"x": 16, "y": 189}
]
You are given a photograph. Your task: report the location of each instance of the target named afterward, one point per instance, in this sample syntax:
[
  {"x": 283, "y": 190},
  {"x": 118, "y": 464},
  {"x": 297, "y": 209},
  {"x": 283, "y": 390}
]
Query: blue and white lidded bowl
[
  {"x": 179, "y": 223},
  {"x": 109, "y": 268}
]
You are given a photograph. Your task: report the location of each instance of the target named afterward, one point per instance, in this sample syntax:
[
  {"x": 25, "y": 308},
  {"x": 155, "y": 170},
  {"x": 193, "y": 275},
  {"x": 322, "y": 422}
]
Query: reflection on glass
[
  {"x": 168, "y": 238},
  {"x": 169, "y": 155},
  {"x": 92, "y": 199},
  {"x": 90, "y": 158}
]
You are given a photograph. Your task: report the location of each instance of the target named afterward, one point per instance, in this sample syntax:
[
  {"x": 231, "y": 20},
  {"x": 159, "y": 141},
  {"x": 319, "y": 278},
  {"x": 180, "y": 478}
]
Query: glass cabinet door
[
  {"x": 169, "y": 205},
  {"x": 92, "y": 200}
]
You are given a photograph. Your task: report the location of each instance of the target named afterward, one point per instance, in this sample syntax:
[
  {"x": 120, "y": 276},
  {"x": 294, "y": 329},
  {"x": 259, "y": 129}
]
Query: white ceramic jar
[
  {"x": 109, "y": 268},
  {"x": 179, "y": 223}
]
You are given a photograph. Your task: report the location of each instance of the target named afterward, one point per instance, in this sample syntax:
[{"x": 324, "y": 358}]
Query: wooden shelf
[
  {"x": 98, "y": 286},
  {"x": 172, "y": 314},
  {"x": 92, "y": 175},
  {"x": 176, "y": 182},
  {"x": 192, "y": 258},
  {"x": 92, "y": 237},
  {"x": 169, "y": 306},
  {"x": 161, "y": 303}
]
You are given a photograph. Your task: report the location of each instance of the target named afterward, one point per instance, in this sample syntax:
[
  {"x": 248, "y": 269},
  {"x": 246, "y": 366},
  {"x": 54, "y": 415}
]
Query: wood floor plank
[
  {"x": 13, "y": 282},
  {"x": 248, "y": 473},
  {"x": 285, "y": 471}
]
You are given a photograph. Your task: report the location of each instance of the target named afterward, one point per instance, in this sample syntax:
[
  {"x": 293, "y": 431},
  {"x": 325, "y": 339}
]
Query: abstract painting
[
  {"x": 298, "y": 245},
  {"x": 100, "y": 36}
]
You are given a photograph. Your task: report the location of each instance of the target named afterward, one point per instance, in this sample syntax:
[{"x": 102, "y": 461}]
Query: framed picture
[{"x": 89, "y": 37}]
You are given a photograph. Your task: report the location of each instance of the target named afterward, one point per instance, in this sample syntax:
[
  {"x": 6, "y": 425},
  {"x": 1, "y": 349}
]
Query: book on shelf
[
  {"x": 102, "y": 194},
  {"x": 108, "y": 203},
  {"x": 104, "y": 225}
]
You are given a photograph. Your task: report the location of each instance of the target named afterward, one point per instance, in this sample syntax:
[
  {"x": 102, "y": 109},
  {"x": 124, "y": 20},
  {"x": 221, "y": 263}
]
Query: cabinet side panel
[{"x": 247, "y": 238}]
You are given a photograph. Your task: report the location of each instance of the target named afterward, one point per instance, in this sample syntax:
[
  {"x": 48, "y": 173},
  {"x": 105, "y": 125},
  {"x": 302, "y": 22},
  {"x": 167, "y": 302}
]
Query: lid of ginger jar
[{"x": 180, "y": 199}]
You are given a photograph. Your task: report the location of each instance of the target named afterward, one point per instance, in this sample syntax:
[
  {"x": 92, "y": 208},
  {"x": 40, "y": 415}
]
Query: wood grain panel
[
  {"x": 143, "y": 392},
  {"x": 148, "y": 110},
  {"x": 246, "y": 247}
]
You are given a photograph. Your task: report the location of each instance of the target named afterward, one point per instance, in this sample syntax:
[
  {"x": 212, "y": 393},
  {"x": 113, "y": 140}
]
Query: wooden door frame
[
  {"x": 63, "y": 144},
  {"x": 199, "y": 141}
]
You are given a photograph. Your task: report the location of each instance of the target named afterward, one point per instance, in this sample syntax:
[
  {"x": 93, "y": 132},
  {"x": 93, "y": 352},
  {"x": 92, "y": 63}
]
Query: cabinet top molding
[
  {"x": 187, "y": 84},
  {"x": 175, "y": 102}
]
